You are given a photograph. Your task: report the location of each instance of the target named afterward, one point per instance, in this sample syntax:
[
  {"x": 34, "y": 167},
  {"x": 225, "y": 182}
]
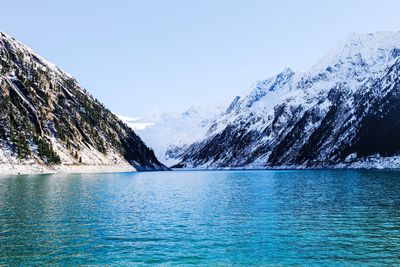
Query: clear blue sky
[{"x": 141, "y": 56}]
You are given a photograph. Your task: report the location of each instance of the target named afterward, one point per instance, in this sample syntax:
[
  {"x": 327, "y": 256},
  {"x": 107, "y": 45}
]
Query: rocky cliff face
[
  {"x": 47, "y": 118},
  {"x": 344, "y": 112}
]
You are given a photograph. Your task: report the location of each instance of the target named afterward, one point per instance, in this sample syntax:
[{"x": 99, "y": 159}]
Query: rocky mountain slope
[
  {"x": 343, "y": 112},
  {"x": 47, "y": 119}
]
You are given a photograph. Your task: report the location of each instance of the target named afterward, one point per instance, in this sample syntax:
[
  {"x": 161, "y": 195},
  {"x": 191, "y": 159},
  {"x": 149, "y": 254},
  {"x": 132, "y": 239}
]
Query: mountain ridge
[
  {"x": 48, "y": 119},
  {"x": 315, "y": 119}
]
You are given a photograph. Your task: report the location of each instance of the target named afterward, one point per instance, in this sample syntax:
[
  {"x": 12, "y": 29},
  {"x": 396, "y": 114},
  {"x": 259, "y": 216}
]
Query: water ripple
[{"x": 306, "y": 218}]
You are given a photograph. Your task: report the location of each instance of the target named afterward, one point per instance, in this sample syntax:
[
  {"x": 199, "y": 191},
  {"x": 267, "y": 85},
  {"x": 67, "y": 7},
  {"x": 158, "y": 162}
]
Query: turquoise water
[{"x": 320, "y": 218}]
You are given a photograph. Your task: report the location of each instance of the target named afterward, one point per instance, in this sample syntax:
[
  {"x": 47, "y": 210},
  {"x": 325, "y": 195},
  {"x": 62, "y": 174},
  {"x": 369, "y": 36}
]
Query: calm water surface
[{"x": 202, "y": 218}]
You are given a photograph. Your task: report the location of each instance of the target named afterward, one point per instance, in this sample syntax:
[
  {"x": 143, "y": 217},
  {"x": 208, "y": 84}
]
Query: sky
[{"x": 141, "y": 57}]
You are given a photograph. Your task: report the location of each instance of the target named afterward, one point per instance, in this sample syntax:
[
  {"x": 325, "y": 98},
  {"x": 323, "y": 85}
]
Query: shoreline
[
  {"x": 15, "y": 169},
  {"x": 30, "y": 169}
]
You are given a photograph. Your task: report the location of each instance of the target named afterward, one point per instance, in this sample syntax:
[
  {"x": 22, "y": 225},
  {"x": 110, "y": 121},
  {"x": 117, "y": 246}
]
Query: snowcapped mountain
[
  {"x": 343, "y": 112},
  {"x": 47, "y": 119},
  {"x": 179, "y": 130}
]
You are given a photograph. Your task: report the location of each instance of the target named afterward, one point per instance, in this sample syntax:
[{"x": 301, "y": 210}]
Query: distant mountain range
[
  {"x": 343, "y": 112},
  {"x": 47, "y": 119},
  {"x": 169, "y": 133}
]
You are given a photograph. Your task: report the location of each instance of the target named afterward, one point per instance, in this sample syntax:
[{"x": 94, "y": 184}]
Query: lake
[{"x": 320, "y": 217}]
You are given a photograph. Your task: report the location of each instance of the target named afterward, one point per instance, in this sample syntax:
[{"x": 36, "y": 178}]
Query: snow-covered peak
[
  {"x": 275, "y": 85},
  {"x": 362, "y": 51},
  {"x": 203, "y": 111},
  {"x": 342, "y": 112},
  {"x": 271, "y": 84}
]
